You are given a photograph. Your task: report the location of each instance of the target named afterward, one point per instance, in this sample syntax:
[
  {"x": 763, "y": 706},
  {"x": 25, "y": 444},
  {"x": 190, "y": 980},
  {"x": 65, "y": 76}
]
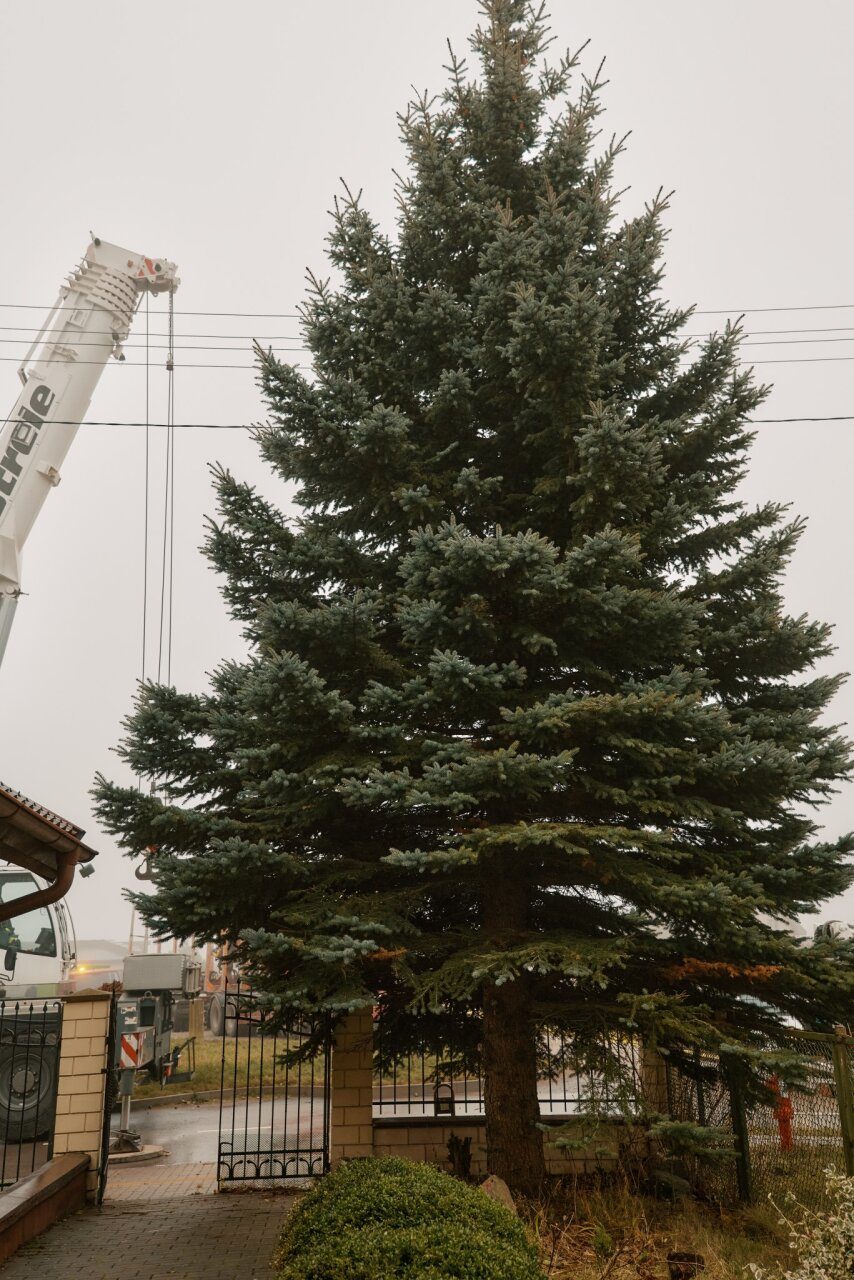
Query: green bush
[{"x": 394, "y": 1220}]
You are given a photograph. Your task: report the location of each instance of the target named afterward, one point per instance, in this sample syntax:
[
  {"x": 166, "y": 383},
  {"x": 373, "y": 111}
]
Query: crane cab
[{"x": 37, "y": 949}]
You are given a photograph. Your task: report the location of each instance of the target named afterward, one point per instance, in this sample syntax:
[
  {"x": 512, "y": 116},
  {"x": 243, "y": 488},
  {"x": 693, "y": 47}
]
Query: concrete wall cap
[{"x": 35, "y": 1187}]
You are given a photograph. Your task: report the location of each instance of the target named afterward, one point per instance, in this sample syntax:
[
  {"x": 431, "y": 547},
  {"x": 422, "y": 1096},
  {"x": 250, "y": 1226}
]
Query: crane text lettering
[{"x": 25, "y": 433}]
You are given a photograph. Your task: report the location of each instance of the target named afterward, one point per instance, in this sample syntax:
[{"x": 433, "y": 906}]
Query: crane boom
[{"x": 86, "y": 326}]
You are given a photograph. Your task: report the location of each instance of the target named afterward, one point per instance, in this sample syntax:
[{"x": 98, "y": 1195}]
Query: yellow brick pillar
[
  {"x": 352, "y": 1132},
  {"x": 84, "y": 1056}
]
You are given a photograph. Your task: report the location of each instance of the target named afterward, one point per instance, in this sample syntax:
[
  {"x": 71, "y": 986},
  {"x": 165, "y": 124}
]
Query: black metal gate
[
  {"x": 30, "y": 1039},
  {"x": 110, "y": 1083},
  {"x": 274, "y": 1112}
]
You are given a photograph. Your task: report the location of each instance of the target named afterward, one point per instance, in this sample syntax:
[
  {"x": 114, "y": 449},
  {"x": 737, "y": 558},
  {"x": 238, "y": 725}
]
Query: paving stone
[{"x": 156, "y": 1224}]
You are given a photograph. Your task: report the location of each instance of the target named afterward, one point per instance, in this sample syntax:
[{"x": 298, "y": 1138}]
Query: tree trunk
[{"x": 514, "y": 1144}]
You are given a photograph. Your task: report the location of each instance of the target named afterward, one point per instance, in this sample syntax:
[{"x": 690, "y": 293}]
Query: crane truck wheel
[
  {"x": 218, "y": 1021},
  {"x": 27, "y": 1091}
]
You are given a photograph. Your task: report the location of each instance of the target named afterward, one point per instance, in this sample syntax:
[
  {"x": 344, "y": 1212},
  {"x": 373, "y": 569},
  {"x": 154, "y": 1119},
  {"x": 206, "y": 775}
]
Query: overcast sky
[{"x": 215, "y": 137}]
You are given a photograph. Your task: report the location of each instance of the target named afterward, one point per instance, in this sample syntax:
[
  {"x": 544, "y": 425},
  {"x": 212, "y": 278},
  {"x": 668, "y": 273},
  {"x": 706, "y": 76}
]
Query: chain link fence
[{"x": 784, "y": 1139}]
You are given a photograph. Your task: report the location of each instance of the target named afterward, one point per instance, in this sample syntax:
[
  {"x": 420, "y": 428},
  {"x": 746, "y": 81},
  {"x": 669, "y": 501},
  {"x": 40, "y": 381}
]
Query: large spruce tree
[{"x": 525, "y": 728}]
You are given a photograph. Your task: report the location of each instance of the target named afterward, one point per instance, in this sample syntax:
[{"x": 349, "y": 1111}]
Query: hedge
[{"x": 394, "y": 1220}]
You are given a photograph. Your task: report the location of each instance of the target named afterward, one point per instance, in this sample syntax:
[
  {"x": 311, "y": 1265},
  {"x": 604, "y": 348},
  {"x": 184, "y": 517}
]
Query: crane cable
[
  {"x": 143, "y": 871},
  {"x": 170, "y": 417},
  {"x": 168, "y": 515},
  {"x": 145, "y": 537}
]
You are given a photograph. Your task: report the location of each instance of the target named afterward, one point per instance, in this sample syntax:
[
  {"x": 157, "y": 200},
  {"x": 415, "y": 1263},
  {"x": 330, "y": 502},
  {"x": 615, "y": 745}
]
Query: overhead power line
[
  {"x": 294, "y": 337},
  {"x": 164, "y": 346},
  {"x": 248, "y": 426},
  {"x": 248, "y": 315},
  {"x": 140, "y": 364},
  {"x": 742, "y": 311},
  {"x": 108, "y": 333},
  {"x": 748, "y": 333},
  {"x": 797, "y": 360},
  {"x": 247, "y": 342},
  {"x": 250, "y": 368},
  {"x": 293, "y": 315}
]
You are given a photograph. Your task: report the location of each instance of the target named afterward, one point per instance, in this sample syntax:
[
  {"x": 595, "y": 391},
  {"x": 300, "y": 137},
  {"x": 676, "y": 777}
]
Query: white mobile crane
[{"x": 86, "y": 326}]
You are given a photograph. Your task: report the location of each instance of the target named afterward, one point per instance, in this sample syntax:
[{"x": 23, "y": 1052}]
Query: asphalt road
[{"x": 190, "y": 1133}]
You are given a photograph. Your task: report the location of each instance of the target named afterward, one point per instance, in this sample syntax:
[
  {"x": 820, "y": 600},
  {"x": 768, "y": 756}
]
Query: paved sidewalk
[
  {"x": 160, "y": 1181},
  {"x": 196, "y": 1237}
]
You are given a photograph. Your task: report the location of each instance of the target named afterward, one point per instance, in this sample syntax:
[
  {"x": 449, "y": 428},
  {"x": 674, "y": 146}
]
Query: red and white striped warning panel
[
  {"x": 137, "y": 1048},
  {"x": 129, "y": 1053}
]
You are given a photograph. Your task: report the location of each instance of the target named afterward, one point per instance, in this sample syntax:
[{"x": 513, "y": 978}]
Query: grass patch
[{"x": 209, "y": 1069}]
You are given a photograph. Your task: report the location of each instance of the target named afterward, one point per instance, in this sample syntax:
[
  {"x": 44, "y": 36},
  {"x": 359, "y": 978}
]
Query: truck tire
[
  {"x": 216, "y": 1013},
  {"x": 28, "y": 1074}
]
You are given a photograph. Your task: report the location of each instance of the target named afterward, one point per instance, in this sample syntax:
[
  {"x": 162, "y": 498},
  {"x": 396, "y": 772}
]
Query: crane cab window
[{"x": 32, "y": 932}]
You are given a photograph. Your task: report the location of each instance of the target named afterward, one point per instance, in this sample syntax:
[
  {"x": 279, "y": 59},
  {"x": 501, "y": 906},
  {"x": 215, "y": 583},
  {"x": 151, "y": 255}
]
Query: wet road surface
[{"x": 189, "y": 1132}]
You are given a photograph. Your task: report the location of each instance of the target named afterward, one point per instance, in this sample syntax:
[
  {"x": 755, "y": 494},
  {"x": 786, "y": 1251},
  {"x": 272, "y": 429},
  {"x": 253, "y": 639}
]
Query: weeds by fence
[{"x": 30, "y": 1038}]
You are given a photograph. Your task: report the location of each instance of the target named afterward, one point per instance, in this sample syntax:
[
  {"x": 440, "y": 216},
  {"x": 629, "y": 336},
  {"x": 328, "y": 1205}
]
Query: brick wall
[
  {"x": 427, "y": 1140},
  {"x": 82, "y": 1079}
]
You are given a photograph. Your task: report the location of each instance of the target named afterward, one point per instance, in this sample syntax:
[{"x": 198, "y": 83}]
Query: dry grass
[{"x": 615, "y": 1234}]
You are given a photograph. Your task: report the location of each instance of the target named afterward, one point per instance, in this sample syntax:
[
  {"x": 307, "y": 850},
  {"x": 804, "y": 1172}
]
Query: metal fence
[
  {"x": 786, "y": 1138},
  {"x": 30, "y": 1041},
  {"x": 274, "y": 1094},
  {"x": 438, "y": 1077}
]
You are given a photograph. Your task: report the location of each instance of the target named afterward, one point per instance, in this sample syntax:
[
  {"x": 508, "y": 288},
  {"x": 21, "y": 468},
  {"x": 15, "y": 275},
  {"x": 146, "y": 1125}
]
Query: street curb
[
  {"x": 142, "y": 1156},
  {"x": 171, "y": 1099},
  {"x": 207, "y": 1095}
]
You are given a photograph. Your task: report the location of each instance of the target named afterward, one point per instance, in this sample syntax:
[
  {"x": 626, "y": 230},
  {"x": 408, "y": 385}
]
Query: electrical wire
[
  {"x": 293, "y": 315},
  {"x": 792, "y": 360},
  {"x": 249, "y": 337},
  {"x": 740, "y": 311},
  {"x": 250, "y": 368},
  {"x": 249, "y": 342},
  {"x": 748, "y": 333},
  {"x": 245, "y": 426},
  {"x": 294, "y": 337},
  {"x": 155, "y": 346},
  {"x": 244, "y": 315},
  {"x": 140, "y": 364}
]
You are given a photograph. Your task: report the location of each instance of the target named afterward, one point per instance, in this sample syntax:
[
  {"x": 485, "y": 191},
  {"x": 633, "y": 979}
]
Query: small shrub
[
  {"x": 390, "y": 1219},
  {"x": 822, "y": 1240},
  {"x": 603, "y": 1241}
]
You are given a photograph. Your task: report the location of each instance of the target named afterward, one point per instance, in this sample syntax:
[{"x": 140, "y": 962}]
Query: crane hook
[{"x": 143, "y": 871}]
